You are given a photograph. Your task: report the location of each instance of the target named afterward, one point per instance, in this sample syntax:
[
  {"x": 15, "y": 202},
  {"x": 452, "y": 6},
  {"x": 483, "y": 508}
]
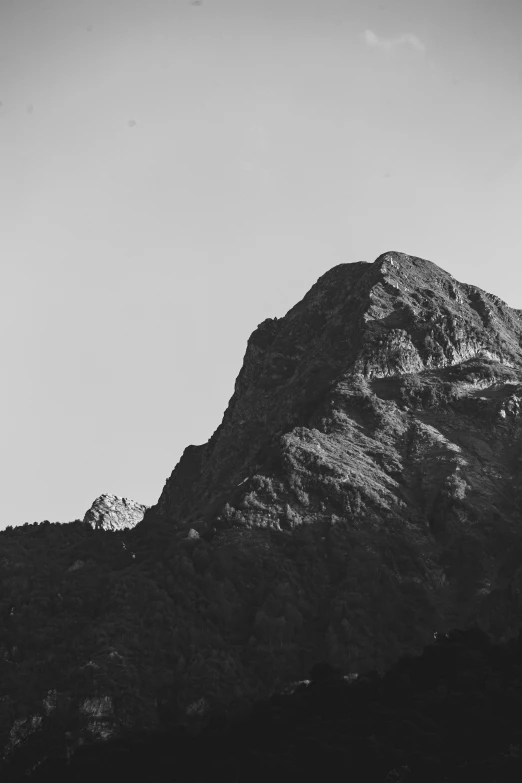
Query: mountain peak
[
  {"x": 397, "y": 316},
  {"x": 419, "y": 317}
]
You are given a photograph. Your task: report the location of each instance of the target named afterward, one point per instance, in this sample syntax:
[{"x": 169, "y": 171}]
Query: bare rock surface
[{"x": 110, "y": 512}]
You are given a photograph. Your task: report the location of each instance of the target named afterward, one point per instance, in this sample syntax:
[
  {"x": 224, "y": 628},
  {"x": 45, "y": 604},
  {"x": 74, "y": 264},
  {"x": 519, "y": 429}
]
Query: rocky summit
[{"x": 109, "y": 512}]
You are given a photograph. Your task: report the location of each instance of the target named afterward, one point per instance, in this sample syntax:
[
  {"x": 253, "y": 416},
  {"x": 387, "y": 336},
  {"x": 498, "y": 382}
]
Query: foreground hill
[
  {"x": 450, "y": 715},
  {"x": 361, "y": 493}
]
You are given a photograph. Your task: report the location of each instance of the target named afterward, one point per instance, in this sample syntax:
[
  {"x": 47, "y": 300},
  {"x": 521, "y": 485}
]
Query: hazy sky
[{"x": 173, "y": 173}]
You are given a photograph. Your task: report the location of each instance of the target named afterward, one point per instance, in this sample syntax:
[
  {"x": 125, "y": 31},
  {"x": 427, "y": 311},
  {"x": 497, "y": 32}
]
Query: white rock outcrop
[{"x": 110, "y": 512}]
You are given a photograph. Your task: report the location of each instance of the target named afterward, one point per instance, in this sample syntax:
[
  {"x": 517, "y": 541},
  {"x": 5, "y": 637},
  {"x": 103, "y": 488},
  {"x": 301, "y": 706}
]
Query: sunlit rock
[{"x": 109, "y": 512}]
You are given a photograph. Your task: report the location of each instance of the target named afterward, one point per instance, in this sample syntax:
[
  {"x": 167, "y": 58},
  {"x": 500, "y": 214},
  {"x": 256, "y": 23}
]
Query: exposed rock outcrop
[{"x": 110, "y": 512}]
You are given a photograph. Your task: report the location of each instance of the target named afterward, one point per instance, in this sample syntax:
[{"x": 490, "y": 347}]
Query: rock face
[
  {"x": 110, "y": 512},
  {"x": 379, "y": 421}
]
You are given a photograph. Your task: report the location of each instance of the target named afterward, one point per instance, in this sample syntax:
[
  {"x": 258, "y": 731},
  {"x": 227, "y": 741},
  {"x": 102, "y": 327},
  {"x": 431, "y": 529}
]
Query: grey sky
[{"x": 173, "y": 173}]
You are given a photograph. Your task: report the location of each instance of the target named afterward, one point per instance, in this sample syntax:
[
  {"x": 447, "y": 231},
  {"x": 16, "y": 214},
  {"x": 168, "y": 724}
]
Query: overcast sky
[{"x": 173, "y": 173}]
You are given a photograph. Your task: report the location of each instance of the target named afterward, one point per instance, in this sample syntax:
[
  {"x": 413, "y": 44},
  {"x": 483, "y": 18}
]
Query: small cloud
[
  {"x": 391, "y": 43},
  {"x": 30, "y": 108},
  {"x": 371, "y": 39},
  {"x": 131, "y": 123}
]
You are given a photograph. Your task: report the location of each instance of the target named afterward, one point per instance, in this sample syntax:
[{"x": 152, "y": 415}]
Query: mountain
[
  {"x": 379, "y": 421},
  {"x": 359, "y": 330},
  {"x": 110, "y": 512},
  {"x": 361, "y": 494}
]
